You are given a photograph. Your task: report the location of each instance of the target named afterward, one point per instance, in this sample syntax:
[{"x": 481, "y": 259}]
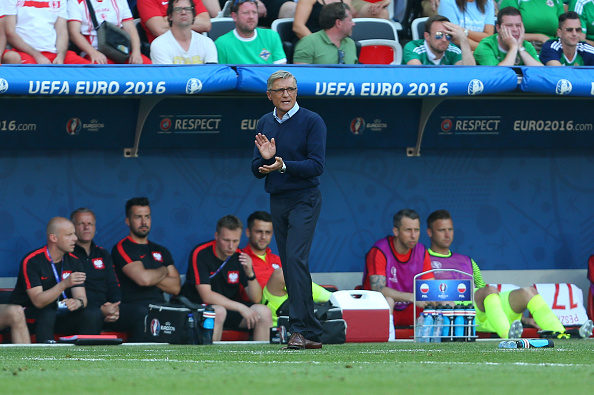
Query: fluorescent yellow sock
[
  {"x": 320, "y": 294},
  {"x": 544, "y": 316},
  {"x": 496, "y": 316}
]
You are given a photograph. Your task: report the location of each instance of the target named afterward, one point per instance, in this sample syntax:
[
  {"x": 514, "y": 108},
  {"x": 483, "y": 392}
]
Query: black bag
[
  {"x": 113, "y": 41},
  {"x": 333, "y": 326},
  {"x": 175, "y": 324}
]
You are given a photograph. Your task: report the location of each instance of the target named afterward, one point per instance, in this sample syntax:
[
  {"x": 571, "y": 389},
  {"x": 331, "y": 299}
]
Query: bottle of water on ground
[{"x": 527, "y": 343}]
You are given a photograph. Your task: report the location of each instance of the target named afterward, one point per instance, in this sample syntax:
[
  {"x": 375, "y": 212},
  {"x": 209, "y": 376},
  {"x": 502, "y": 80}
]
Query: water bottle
[
  {"x": 427, "y": 324},
  {"x": 459, "y": 322},
  {"x": 534, "y": 343},
  {"x": 438, "y": 319},
  {"x": 419, "y": 328},
  {"x": 208, "y": 318},
  {"x": 448, "y": 320},
  {"x": 470, "y": 325},
  {"x": 192, "y": 329},
  {"x": 508, "y": 344}
]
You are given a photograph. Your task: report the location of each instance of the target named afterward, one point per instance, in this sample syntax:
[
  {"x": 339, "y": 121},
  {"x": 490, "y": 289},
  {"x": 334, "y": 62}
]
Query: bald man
[{"x": 50, "y": 286}]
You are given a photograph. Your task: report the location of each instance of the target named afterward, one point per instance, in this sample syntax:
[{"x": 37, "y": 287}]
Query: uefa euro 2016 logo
[
  {"x": 194, "y": 85},
  {"x": 475, "y": 87},
  {"x": 357, "y": 125},
  {"x": 3, "y": 85},
  {"x": 155, "y": 327},
  {"x": 443, "y": 287},
  {"x": 563, "y": 87}
]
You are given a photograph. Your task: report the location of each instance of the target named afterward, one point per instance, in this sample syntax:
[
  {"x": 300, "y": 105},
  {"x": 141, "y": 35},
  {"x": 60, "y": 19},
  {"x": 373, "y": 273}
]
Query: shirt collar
[
  {"x": 243, "y": 38},
  {"x": 431, "y": 252},
  {"x": 288, "y": 115}
]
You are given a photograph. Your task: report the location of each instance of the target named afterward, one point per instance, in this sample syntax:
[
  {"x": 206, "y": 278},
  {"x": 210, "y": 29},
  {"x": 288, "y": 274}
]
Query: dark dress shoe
[{"x": 298, "y": 342}]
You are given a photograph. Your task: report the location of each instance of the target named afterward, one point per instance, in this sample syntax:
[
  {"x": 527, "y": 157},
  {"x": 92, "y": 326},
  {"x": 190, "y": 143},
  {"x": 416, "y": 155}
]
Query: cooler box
[{"x": 366, "y": 313}]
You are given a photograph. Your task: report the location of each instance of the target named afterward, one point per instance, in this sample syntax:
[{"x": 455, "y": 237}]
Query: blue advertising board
[
  {"x": 509, "y": 122},
  {"x": 115, "y": 80},
  {"x": 558, "y": 81},
  {"x": 385, "y": 81}
]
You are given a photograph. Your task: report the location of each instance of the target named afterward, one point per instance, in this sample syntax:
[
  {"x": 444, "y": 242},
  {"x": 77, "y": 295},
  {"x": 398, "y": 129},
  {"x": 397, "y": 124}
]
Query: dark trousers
[
  {"x": 294, "y": 217},
  {"x": 131, "y": 320},
  {"x": 47, "y": 321}
]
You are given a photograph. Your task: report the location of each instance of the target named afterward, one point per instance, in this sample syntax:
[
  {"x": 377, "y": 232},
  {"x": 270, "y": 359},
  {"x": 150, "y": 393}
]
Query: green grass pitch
[{"x": 363, "y": 368}]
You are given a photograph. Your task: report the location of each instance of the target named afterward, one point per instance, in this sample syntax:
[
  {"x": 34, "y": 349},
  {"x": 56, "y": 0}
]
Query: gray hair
[
  {"x": 82, "y": 210},
  {"x": 277, "y": 75}
]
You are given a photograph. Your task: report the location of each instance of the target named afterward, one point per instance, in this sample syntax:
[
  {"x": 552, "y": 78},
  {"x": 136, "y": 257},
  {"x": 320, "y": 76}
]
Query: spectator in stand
[
  {"x": 153, "y": 17},
  {"x": 6, "y": 56},
  {"x": 307, "y": 16},
  {"x": 38, "y": 32},
  {"x": 540, "y": 18},
  {"x": 568, "y": 50},
  {"x": 182, "y": 45},
  {"x": 585, "y": 9},
  {"x": 507, "y": 47},
  {"x": 476, "y": 17},
  {"x": 276, "y": 9},
  {"x": 332, "y": 44},
  {"x": 83, "y": 33},
  {"x": 246, "y": 44},
  {"x": 436, "y": 47}
]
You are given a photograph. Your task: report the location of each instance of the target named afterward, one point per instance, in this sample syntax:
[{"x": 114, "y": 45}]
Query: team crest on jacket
[
  {"x": 98, "y": 263},
  {"x": 275, "y": 266},
  {"x": 233, "y": 277},
  {"x": 157, "y": 256},
  {"x": 65, "y": 275}
]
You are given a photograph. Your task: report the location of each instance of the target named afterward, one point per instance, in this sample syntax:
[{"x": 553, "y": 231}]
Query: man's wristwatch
[
  {"x": 252, "y": 278},
  {"x": 521, "y": 49},
  {"x": 466, "y": 32},
  {"x": 283, "y": 169},
  {"x": 82, "y": 303}
]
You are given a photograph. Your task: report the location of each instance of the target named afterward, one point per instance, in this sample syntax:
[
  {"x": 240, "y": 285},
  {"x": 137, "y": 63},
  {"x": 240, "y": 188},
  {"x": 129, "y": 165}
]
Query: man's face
[
  {"x": 513, "y": 23},
  {"x": 283, "y": 100},
  {"x": 66, "y": 237},
  {"x": 246, "y": 18},
  {"x": 259, "y": 235},
  {"x": 183, "y": 18},
  {"x": 437, "y": 45},
  {"x": 570, "y": 32},
  {"x": 227, "y": 241},
  {"x": 84, "y": 226},
  {"x": 407, "y": 236},
  {"x": 346, "y": 25},
  {"x": 441, "y": 233},
  {"x": 139, "y": 221}
]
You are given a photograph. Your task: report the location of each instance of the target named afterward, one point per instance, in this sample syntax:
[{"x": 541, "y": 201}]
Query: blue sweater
[{"x": 301, "y": 142}]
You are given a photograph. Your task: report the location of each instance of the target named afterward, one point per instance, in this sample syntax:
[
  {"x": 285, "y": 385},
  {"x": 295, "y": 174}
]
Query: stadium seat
[
  {"x": 220, "y": 26},
  {"x": 284, "y": 28},
  {"x": 145, "y": 46},
  {"x": 380, "y": 52},
  {"x": 418, "y": 28},
  {"x": 590, "y": 298},
  {"x": 373, "y": 28},
  {"x": 226, "y": 11}
]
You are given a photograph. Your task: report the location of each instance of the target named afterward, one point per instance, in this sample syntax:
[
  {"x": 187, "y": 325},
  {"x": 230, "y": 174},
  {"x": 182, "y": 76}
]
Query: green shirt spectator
[{"x": 318, "y": 49}]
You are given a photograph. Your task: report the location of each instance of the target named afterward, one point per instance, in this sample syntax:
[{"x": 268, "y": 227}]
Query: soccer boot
[{"x": 515, "y": 330}]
